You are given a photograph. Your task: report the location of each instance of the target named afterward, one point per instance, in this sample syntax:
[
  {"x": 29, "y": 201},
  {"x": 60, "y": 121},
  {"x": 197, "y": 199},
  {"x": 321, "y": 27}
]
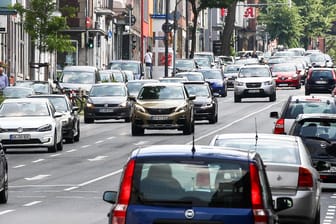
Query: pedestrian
[
  {"x": 3, "y": 79},
  {"x": 149, "y": 63}
]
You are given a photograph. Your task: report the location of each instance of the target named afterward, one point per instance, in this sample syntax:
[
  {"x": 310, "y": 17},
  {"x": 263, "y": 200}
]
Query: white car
[{"x": 30, "y": 122}]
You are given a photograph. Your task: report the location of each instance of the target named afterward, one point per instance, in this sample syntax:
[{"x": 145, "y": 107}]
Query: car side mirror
[
  {"x": 110, "y": 196},
  {"x": 132, "y": 98},
  {"x": 58, "y": 114},
  {"x": 283, "y": 203},
  {"x": 192, "y": 97},
  {"x": 274, "y": 114}
]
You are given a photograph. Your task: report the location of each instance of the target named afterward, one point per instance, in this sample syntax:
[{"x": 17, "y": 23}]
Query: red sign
[
  {"x": 249, "y": 12},
  {"x": 223, "y": 12},
  {"x": 88, "y": 22}
]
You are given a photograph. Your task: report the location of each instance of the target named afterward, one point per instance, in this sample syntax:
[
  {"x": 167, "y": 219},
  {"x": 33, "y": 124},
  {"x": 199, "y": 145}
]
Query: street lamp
[{"x": 174, "y": 37}]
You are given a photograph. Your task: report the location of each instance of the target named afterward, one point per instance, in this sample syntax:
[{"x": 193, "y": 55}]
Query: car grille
[
  {"x": 160, "y": 111},
  {"x": 23, "y": 130},
  {"x": 253, "y": 85},
  {"x": 106, "y": 105},
  {"x": 30, "y": 141}
]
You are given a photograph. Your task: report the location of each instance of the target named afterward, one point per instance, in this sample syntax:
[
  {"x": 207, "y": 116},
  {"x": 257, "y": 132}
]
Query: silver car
[
  {"x": 289, "y": 170},
  {"x": 254, "y": 81},
  {"x": 30, "y": 122}
]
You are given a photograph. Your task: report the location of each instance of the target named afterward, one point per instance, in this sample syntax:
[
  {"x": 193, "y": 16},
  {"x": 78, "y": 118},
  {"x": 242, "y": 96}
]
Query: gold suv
[{"x": 163, "y": 106}]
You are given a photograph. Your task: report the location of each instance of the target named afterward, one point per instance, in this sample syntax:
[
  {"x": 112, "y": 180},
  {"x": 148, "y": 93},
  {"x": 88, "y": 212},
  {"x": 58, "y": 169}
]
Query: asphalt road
[{"x": 67, "y": 187}]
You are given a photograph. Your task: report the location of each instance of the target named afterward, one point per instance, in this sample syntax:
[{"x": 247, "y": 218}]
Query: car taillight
[
  {"x": 305, "y": 180},
  {"x": 259, "y": 213},
  {"x": 279, "y": 126},
  {"x": 119, "y": 211}
]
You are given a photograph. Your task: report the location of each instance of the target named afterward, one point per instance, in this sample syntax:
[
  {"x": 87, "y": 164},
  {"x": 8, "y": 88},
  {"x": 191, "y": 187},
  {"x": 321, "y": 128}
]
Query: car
[
  {"x": 289, "y": 170},
  {"x": 129, "y": 74},
  {"x": 190, "y": 76},
  {"x": 231, "y": 73},
  {"x": 205, "y": 104},
  {"x": 173, "y": 79},
  {"x": 287, "y": 75},
  {"x": 70, "y": 116},
  {"x": 318, "y": 132},
  {"x": 209, "y": 56},
  {"x": 40, "y": 87},
  {"x": 3, "y": 177},
  {"x": 132, "y": 65},
  {"x": 162, "y": 106},
  {"x": 203, "y": 63},
  {"x": 254, "y": 81},
  {"x": 107, "y": 101},
  {"x": 112, "y": 76},
  {"x": 11, "y": 92},
  {"x": 184, "y": 65},
  {"x": 320, "y": 80},
  {"x": 217, "y": 81},
  {"x": 299, "y": 104},
  {"x": 320, "y": 60},
  {"x": 30, "y": 123},
  {"x": 134, "y": 86},
  {"x": 193, "y": 184}
]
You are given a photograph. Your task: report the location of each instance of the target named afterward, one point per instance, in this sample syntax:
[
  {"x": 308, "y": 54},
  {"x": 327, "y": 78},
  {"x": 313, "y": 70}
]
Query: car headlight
[
  {"x": 207, "y": 105},
  {"x": 139, "y": 108},
  {"x": 240, "y": 83},
  {"x": 89, "y": 103},
  {"x": 295, "y": 76},
  {"x": 267, "y": 83},
  {"x": 181, "y": 108},
  {"x": 123, "y": 104},
  {"x": 47, "y": 127}
]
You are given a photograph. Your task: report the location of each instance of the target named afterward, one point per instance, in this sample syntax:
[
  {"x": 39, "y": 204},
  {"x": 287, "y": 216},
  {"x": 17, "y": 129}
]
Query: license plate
[
  {"x": 19, "y": 136},
  {"x": 321, "y": 82},
  {"x": 106, "y": 110},
  {"x": 253, "y": 91},
  {"x": 283, "y": 84},
  {"x": 159, "y": 118}
]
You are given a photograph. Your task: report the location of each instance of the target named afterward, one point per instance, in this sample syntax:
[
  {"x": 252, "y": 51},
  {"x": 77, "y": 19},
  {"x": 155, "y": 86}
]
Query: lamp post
[
  {"x": 174, "y": 37},
  {"x": 166, "y": 40}
]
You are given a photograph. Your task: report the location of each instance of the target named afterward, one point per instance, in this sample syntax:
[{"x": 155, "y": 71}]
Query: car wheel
[
  {"x": 88, "y": 120},
  {"x": 317, "y": 217},
  {"x": 53, "y": 148},
  {"x": 127, "y": 120},
  {"x": 214, "y": 119},
  {"x": 272, "y": 98},
  {"x": 4, "y": 192},
  {"x": 225, "y": 92},
  {"x": 307, "y": 92},
  {"x": 298, "y": 86},
  {"x": 76, "y": 138},
  {"x": 136, "y": 131},
  {"x": 237, "y": 99},
  {"x": 60, "y": 145}
]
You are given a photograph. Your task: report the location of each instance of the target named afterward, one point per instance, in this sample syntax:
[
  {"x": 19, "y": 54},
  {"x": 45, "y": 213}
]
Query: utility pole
[
  {"x": 187, "y": 31},
  {"x": 166, "y": 40}
]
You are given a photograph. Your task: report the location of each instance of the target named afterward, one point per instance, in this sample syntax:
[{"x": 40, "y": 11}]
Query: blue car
[
  {"x": 216, "y": 79},
  {"x": 168, "y": 184}
]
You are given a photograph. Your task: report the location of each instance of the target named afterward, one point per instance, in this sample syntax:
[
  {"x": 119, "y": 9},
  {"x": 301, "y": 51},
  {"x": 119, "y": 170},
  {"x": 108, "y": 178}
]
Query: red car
[{"x": 287, "y": 75}]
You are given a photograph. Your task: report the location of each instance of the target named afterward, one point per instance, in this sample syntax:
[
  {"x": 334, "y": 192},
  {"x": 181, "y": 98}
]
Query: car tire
[
  {"x": 213, "y": 119},
  {"x": 53, "y": 148},
  {"x": 4, "y": 192},
  {"x": 307, "y": 92},
  {"x": 298, "y": 86},
  {"x": 60, "y": 145},
  {"x": 225, "y": 92},
  {"x": 136, "y": 131},
  {"x": 76, "y": 137},
  {"x": 88, "y": 120},
  {"x": 272, "y": 98},
  {"x": 128, "y": 119},
  {"x": 317, "y": 217},
  {"x": 237, "y": 99}
]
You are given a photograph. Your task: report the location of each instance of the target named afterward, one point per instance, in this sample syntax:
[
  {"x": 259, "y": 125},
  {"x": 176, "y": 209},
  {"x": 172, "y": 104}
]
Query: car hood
[
  {"x": 286, "y": 74},
  {"x": 161, "y": 103},
  {"x": 86, "y": 87},
  {"x": 108, "y": 99},
  {"x": 214, "y": 80},
  {"x": 24, "y": 122},
  {"x": 254, "y": 79}
]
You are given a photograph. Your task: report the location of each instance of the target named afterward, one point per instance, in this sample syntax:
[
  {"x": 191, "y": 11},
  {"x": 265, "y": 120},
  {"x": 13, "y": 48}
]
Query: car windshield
[
  {"x": 42, "y": 88},
  {"x": 253, "y": 72},
  {"x": 231, "y": 69},
  {"x": 161, "y": 92},
  {"x": 308, "y": 107},
  {"x": 198, "y": 90},
  {"x": 59, "y": 103},
  {"x": 192, "y": 182},
  {"x": 108, "y": 90},
  {"x": 78, "y": 77},
  {"x": 17, "y": 92},
  {"x": 23, "y": 109},
  {"x": 185, "y": 64},
  {"x": 134, "y": 67},
  {"x": 283, "y": 68},
  {"x": 270, "y": 150},
  {"x": 212, "y": 74},
  {"x": 324, "y": 128},
  {"x": 191, "y": 77}
]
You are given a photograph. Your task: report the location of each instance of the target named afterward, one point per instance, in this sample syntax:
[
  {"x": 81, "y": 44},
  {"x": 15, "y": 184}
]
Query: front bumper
[
  {"x": 102, "y": 113},
  {"x": 27, "y": 139}
]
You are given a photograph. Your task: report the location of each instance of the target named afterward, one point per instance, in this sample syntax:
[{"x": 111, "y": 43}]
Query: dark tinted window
[
  {"x": 325, "y": 129},
  {"x": 161, "y": 92},
  {"x": 194, "y": 182},
  {"x": 320, "y": 75},
  {"x": 309, "y": 107}
]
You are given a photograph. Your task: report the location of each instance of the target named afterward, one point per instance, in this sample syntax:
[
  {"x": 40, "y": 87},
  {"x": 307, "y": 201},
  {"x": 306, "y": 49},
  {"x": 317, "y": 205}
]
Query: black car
[
  {"x": 3, "y": 177},
  {"x": 70, "y": 118},
  {"x": 205, "y": 104},
  {"x": 318, "y": 132},
  {"x": 320, "y": 80},
  {"x": 107, "y": 101}
]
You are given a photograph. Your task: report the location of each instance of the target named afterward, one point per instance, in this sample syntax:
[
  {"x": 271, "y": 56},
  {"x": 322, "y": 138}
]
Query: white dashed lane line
[
  {"x": 6, "y": 211},
  {"x": 32, "y": 203}
]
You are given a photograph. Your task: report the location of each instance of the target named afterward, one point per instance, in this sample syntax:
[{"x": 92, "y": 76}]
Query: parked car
[
  {"x": 205, "y": 104},
  {"x": 163, "y": 106},
  {"x": 200, "y": 184},
  {"x": 318, "y": 132},
  {"x": 289, "y": 170},
  {"x": 30, "y": 122},
  {"x": 320, "y": 80},
  {"x": 70, "y": 116},
  {"x": 254, "y": 81},
  {"x": 3, "y": 177},
  {"x": 190, "y": 76},
  {"x": 107, "y": 101},
  {"x": 300, "y": 104},
  {"x": 132, "y": 65},
  {"x": 12, "y": 92},
  {"x": 134, "y": 86},
  {"x": 287, "y": 75},
  {"x": 216, "y": 79}
]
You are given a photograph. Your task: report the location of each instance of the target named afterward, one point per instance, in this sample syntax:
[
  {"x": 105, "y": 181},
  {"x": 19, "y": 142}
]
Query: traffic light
[{"x": 90, "y": 43}]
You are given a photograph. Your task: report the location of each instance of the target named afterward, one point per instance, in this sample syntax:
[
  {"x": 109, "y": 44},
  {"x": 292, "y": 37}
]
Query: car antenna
[
  {"x": 256, "y": 133},
  {"x": 193, "y": 150}
]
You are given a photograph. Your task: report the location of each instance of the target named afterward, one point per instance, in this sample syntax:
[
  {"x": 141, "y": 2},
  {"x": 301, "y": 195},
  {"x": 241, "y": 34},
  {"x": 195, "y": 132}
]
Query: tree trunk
[{"x": 228, "y": 28}]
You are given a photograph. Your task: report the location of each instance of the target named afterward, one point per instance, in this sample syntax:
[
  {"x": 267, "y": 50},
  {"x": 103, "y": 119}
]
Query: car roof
[
  {"x": 143, "y": 81},
  {"x": 259, "y": 136},
  {"x": 255, "y": 66},
  {"x": 311, "y": 98},
  {"x": 191, "y": 72},
  {"x": 316, "y": 116},
  {"x": 163, "y": 84},
  {"x": 28, "y": 99},
  {"x": 110, "y": 84},
  {"x": 79, "y": 68},
  {"x": 48, "y": 95},
  {"x": 125, "y": 61},
  {"x": 186, "y": 151},
  {"x": 319, "y": 68}
]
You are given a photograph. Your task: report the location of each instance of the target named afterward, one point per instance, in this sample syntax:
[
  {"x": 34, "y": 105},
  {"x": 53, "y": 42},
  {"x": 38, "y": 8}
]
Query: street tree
[{"x": 44, "y": 27}]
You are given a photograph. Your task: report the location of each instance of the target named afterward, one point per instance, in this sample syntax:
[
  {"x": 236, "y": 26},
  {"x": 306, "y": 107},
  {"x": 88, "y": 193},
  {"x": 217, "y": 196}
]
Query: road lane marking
[
  {"x": 32, "y": 203},
  {"x": 72, "y": 150},
  {"x": 19, "y": 166},
  {"x": 109, "y": 138},
  {"x": 85, "y": 146},
  {"x": 55, "y": 155},
  {"x": 100, "y": 141},
  {"x": 38, "y": 160},
  {"x": 141, "y": 143},
  {"x": 6, "y": 211},
  {"x": 232, "y": 123},
  {"x": 94, "y": 180},
  {"x": 38, "y": 177},
  {"x": 97, "y": 158}
]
